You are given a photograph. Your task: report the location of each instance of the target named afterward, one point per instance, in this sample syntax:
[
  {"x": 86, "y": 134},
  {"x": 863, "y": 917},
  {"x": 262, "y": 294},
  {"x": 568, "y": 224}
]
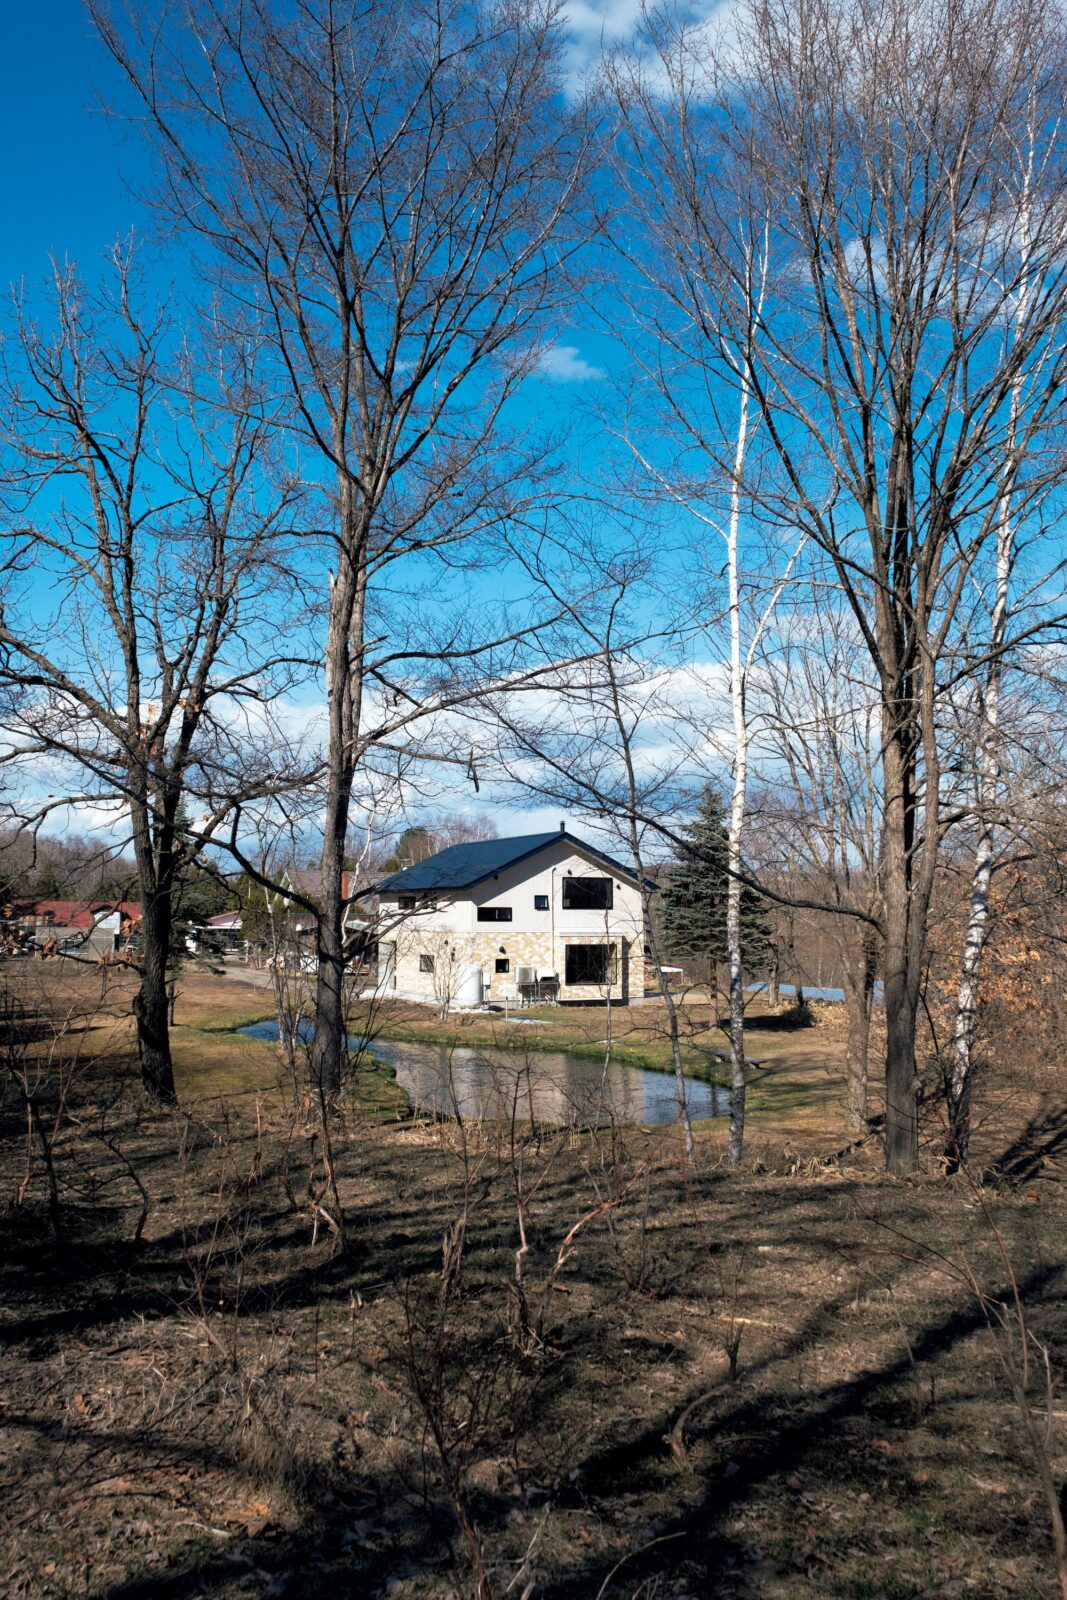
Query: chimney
[{"x": 563, "y": 827}]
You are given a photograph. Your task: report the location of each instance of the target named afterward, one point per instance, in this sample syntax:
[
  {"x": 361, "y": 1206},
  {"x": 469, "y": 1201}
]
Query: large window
[
  {"x": 587, "y": 894},
  {"x": 590, "y": 963},
  {"x": 494, "y": 913}
]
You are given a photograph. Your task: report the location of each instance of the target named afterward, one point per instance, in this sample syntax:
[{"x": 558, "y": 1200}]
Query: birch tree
[
  {"x": 698, "y": 364},
  {"x": 881, "y": 140}
]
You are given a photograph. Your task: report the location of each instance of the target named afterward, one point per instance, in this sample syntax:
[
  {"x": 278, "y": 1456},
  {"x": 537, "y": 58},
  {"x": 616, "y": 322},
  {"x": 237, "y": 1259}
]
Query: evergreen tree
[
  {"x": 693, "y": 904},
  {"x": 46, "y": 885},
  {"x": 255, "y": 912},
  {"x": 413, "y": 846}
]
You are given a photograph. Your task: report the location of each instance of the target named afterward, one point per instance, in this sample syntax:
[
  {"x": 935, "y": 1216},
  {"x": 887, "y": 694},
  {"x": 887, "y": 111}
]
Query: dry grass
[{"x": 233, "y": 1409}]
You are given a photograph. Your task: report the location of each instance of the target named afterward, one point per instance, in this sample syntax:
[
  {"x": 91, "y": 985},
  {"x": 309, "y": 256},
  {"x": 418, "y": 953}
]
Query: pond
[{"x": 549, "y": 1085}]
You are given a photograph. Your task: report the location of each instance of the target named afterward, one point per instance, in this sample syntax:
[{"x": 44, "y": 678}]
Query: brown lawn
[{"x": 233, "y": 1405}]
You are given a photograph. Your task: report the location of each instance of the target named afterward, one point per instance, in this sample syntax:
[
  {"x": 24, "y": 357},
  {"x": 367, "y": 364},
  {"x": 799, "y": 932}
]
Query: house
[
  {"x": 306, "y": 882},
  {"x": 294, "y": 921},
  {"x": 225, "y": 931},
  {"x": 491, "y": 917},
  {"x": 101, "y": 926}
]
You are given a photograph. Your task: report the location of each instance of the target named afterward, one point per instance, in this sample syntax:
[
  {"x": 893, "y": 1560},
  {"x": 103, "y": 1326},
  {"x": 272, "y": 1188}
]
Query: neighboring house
[
  {"x": 225, "y": 930},
  {"x": 295, "y": 925},
  {"x": 307, "y": 882},
  {"x": 101, "y": 926},
  {"x": 545, "y": 904}
]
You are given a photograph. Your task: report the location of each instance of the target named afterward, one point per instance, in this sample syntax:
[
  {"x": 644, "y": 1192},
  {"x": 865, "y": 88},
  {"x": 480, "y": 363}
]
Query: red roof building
[{"x": 80, "y": 914}]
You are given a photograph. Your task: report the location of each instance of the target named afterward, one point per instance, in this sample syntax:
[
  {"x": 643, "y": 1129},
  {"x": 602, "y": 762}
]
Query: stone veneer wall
[{"x": 523, "y": 950}]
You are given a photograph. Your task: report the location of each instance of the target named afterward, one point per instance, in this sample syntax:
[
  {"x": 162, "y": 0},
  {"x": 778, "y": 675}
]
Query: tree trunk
[
  {"x": 901, "y": 1110},
  {"x": 344, "y": 647},
  {"x": 859, "y": 997},
  {"x": 154, "y": 850},
  {"x": 738, "y": 1085},
  {"x": 904, "y": 920},
  {"x": 329, "y": 1045},
  {"x": 773, "y": 978},
  {"x": 151, "y": 1006},
  {"x": 961, "y": 1064},
  {"x": 901, "y": 1007}
]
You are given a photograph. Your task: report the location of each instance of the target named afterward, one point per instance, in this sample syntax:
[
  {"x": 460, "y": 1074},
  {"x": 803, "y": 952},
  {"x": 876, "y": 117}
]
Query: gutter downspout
[{"x": 552, "y": 922}]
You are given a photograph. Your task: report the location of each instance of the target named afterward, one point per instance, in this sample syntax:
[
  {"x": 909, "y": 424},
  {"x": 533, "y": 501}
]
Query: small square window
[
  {"x": 425, "y": 963},
  {"x": 406, "y": 902},
  {"x": 540, "y": 902},
  {"x": 503, "y": 964}
]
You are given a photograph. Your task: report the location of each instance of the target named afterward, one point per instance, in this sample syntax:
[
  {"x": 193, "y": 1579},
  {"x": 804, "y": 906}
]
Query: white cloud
[
  {"x": 564, "y": 363},
  {"x": 595, "y": 27}
]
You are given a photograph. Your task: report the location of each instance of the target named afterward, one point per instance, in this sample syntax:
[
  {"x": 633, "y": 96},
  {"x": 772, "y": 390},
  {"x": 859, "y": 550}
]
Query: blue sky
[
  {"x": 62, "y": 186},
  {"x": 71, "y": 175},
  {"x": 69, "y": 188}
]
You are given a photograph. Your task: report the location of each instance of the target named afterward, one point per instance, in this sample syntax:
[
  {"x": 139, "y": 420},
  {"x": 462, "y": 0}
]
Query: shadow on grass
[{"x": 1044, "y": 1139}]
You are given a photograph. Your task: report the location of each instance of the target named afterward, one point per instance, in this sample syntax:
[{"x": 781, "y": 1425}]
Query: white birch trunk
[
  {"x": 960, "y": 1078},
  {"x": 737, "y": 800},
  {"x": 961, "y": 1062}
]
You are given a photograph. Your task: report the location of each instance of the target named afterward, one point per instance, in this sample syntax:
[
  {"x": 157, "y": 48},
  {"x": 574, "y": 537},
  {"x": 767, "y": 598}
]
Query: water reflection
[{"x": 549, "y": 1086}]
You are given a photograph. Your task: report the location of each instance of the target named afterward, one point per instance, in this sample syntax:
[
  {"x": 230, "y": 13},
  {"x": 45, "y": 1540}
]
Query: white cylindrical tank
[{"x": 468, "y": 986}]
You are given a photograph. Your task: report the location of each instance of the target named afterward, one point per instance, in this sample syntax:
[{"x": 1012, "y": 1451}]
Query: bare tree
[
  {"x": 387, "y": 194},
  {"x": 1033, "y": 148},
  {"x": 878, "y": 146},
  {"x": 139, "y": 610},
  {"x": 820, "y": 816},
  {"x": 691, "y": 352}
]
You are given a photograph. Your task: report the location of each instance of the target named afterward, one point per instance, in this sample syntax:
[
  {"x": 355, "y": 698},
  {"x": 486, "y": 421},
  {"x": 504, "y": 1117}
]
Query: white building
[{"x": 545, "y": 908}]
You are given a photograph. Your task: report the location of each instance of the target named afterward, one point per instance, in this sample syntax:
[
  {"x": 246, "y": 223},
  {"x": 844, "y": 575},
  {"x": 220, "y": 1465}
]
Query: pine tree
[
  {"x": 255, "y": 912},
  {"x": 693, "y": 906}
]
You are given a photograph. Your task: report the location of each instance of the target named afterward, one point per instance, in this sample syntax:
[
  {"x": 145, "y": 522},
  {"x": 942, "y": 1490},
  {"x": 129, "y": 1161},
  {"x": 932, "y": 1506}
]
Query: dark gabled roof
[{"x": 462, "y": 866}]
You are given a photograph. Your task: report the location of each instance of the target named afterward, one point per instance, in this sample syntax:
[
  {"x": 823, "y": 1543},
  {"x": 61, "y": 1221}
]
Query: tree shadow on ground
[
  {"x": 324, "y": 1555},
  {"x": 1043, "y": 1140}
]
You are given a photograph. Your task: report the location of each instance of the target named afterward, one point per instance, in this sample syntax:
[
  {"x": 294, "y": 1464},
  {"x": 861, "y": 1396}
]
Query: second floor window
[
  {"x": 494, "y": 913},
  {"x": 587, "y": 894}
]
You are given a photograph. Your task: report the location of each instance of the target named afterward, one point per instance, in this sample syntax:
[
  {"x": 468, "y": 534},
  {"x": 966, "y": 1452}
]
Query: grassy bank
[{"x": 498, "y": 1037}]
